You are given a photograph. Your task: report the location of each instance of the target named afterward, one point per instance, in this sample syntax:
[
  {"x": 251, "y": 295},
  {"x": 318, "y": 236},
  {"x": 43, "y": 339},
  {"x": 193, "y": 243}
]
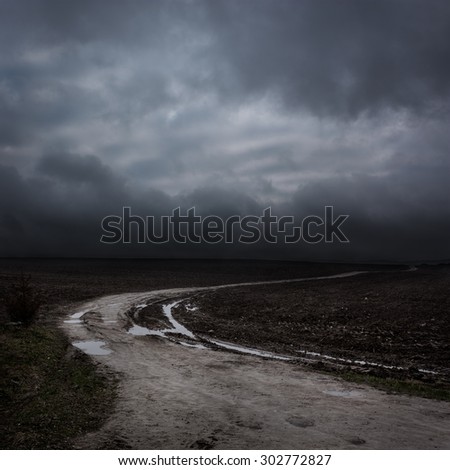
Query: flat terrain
[
  {"x": 175, "y": 396},
  {"x": 50, "y": 392},
  {"x": 73, "y": 280},
  {"x": 394, "y": 318},
  {"x": 172, "y": 395}
]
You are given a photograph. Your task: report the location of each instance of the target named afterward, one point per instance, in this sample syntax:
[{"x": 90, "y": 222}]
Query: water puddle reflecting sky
[{"x": 93, "y": 348}]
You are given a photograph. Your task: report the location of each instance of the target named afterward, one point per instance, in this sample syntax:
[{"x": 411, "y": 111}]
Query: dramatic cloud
[
  {"x": 230, "y": 106},
  {"x": 337, "y": 58}
]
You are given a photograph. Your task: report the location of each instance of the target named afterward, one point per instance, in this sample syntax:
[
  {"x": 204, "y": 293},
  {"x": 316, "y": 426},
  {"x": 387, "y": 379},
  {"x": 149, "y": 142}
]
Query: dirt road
[{"x": 173, "y": 396}]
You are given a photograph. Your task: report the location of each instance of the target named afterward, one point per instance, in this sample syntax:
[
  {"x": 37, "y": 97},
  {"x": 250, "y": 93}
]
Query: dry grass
[{"x": 49, "y": 392}]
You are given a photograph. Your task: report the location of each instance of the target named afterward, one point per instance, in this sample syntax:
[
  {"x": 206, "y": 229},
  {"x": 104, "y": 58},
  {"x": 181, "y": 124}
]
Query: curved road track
[{"x": 172, "y": 396}]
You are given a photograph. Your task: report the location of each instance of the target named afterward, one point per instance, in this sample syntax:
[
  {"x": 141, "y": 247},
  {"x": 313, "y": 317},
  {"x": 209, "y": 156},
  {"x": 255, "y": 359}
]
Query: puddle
[
  {"x": 254, "y": 352},
  {"x": 79, "y": 314},
  {"x": 137, "y": 330},
  {"x": 342, "y": 393},
  {"x": 191, "y": 308},
  {"x": 359, "y": 362},
  {"x": 193, "y": 345},
  {"x": 93, "y": 348},
  {"x": 177, "y": 328},
  {"x": 76, "y": 317}
]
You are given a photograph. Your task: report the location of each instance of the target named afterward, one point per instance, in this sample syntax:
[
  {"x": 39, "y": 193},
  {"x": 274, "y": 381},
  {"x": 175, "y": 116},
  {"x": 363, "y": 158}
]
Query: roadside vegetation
[
  {"x": 49, "y": 392},
  {"x": 390, "y": 384},
  {"x": 23, "y": 301}
]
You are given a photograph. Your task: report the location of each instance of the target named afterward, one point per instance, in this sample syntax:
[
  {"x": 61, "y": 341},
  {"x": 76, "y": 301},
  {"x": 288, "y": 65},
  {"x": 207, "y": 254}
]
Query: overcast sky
[{"x": 230, "y": 106}]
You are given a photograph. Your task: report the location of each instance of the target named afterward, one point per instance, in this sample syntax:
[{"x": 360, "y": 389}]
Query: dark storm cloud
[
  {"x": 76, "y": 168},
  {"x": 340, "y": 58},
  {"x": 230, "y": 106},
  {"x": 58, "y": 211},
  {"x": 53, "y": 21},
  {"x": 389, "y": 219}
]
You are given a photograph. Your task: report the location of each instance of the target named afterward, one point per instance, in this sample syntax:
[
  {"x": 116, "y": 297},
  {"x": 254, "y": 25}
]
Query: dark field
[
  {"x": 396, "y": 318},
  {"x": 44, "y": 382},
  {"x": 64, "y": 281}
]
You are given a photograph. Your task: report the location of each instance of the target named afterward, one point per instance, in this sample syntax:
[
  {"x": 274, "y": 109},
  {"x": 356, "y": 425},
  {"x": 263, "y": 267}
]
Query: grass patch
[
  {"x": 49, "y": 392},
  {"x": 405, "y": 386}
]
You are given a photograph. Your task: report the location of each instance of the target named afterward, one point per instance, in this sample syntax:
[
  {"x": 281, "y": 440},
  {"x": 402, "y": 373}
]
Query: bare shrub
[{"x": 22, "y": 301}]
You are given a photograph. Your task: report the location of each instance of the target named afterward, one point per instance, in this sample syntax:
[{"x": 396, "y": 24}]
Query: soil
[
  {"x": 63, "y": 282},
  {"x": 399, "y": 319},
  {"x": 172, "y": 396},
  {"x": 176, "y": 397},
  {"x": 66, "y": 280},
  {"x": 151, "y": 316}
]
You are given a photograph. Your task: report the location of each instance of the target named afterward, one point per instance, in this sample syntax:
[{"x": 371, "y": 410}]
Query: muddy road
[{"x": 176, "y": 392}]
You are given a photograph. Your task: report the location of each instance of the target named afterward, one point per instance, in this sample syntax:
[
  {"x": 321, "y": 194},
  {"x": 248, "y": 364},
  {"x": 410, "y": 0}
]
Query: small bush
[{"x": 22, "y": 301}]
